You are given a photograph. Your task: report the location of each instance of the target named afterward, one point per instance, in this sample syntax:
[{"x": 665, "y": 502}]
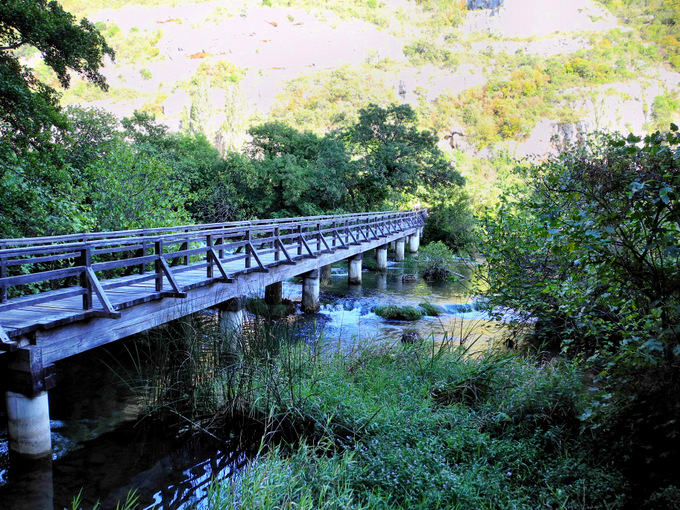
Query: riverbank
[
  {"x": 413, "y": 427},
  {"x": 313, "y": 412}
]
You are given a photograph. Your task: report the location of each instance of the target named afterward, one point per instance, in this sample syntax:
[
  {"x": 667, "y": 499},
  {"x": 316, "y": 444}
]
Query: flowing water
[{"x": 103, "y": 451}]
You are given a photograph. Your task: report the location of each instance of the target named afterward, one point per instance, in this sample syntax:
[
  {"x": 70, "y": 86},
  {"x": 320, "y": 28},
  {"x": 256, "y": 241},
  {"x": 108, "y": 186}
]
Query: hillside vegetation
[
  {"x": 236, "y": 110},
  {"x": 487, "y": 86}
]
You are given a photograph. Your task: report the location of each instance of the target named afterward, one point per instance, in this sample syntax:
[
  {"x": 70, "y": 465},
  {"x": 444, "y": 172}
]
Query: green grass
[
  {"x": 431, "y": 310},
  {"x": 399, "y": 313},
  {"x": 421, "y": 427},
  {"x": 426, "y": 425}
]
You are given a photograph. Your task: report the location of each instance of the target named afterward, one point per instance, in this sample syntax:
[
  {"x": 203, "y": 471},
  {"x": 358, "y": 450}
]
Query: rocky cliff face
[{"x": 484, "y": 4}]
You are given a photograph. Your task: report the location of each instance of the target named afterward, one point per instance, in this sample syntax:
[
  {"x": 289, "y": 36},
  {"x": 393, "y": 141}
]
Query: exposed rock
[
  {"x": 550, "y": 137},
  {"x": 530, "y": 18},
  {"x": 408, "y": 278},
  {"x": 484, "y": 4},
  {"x": 410, "y": 337},
  {"x": 566, "y": 134}
]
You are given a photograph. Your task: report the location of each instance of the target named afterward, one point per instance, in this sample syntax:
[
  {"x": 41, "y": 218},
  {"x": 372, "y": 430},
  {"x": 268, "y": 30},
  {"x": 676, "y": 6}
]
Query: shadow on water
[
  {"x": 112, "y": 427},
  {"x": 109, "y": 441}
]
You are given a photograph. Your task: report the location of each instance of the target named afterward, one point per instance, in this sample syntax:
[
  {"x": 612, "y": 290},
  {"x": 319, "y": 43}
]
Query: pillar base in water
[
  {"x": 399, "y": 250},
  {"x": 273, "y": 294},
  {"x": 355, "y": 266},
  {"x": 231, "y": 322},
  {"x": 414, "y": 242},
  {"x": 326, "y": 273},
  {"x": 310, "y": 292},
  {"x": 381, "y": 258},
  {"x": 28, "y": 425}
]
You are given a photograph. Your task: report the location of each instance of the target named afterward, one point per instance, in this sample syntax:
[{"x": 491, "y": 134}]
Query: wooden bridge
[{"x": 60, "y": 296}]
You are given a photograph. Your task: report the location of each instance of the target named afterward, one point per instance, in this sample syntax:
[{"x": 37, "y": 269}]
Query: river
[{"x": 102, "y": 450}]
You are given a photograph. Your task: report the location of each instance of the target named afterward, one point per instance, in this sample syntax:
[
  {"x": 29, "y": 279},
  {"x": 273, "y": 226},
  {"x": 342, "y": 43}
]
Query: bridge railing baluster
[
  {"x": 299, "y": 237},
  {"x": 249, "y": 249},
  {"x": 318, "y": 237},
  {"x": 158, "y": 251},
  {"x": 3, "y": 274},
  {"x": 209, "y": 260},
  {"x": 85, "y": 261}
]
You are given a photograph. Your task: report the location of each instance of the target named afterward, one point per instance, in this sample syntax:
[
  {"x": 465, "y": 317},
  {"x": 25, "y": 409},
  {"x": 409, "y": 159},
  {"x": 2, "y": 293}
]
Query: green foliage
[
  {"x": 136, "y": 47},
  {"x": 450, "y": 219},
  {"x": 424, "y": 428},
  {"x": 28, "y": 108},
  {"x": 422, "y": 52},
  {"x": 399, "y": 313},
  {"x": 378, "y": 161},
  {"x": 326, "y": 101},
  {"x": 394, "y": 156},
  {"x": 665, "y": 110},
  {"x": 655, "y": 20},
  {"x": 590, "y": 253},
  {"x": 431, "y": 310},
  {"x": 131, "y": 190},
  {"x": 435, "y": 261}
]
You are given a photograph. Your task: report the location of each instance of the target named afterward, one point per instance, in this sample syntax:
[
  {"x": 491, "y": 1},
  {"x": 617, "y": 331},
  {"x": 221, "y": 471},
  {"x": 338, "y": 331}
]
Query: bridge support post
[
  {"x": 326, "y": 273},
  {"x": 355, "y": 266},
  {"x": 230, "y": 317},
  {"x": 28, "y": 413},
  {"x": 273, "y": 294},
  {"x": 310, "y": 292},
  {"x": 28, "y": 425},
  {"x": 399, "y": 250},
  {"x": 414, "y": 242},
  {"x": 381, "y": 258}
]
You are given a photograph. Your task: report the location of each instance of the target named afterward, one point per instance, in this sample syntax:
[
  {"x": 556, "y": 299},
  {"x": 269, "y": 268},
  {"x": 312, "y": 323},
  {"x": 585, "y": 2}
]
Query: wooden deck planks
[{"x": 145, "y": 307}]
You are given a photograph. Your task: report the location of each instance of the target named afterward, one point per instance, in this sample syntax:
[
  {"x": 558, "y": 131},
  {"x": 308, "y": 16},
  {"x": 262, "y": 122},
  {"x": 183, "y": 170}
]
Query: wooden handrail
[{"x": 96, "y": 260}]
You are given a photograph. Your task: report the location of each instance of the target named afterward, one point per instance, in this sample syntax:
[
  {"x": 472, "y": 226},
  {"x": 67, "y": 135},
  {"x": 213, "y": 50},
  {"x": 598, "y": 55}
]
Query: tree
[
  {"x": 591, "y": 251},
  {"x": 394, "y": 156},
  {"x": 28, "y": 108},
  {"x": 194, "y": 162},
  {"x": 35, "y": 182}
]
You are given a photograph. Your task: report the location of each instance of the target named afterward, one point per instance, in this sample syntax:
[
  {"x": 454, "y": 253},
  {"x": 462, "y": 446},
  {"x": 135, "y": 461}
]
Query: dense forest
[{"x": 582, "y": 245}]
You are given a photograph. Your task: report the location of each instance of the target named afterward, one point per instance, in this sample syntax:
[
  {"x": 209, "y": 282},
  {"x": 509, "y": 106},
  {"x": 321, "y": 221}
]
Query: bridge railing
[{"x": 42, "y": 270}]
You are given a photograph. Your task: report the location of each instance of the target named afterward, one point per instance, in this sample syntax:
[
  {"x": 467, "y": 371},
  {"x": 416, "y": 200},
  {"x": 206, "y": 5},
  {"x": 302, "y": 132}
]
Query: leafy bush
[
  {"x": 665, "y": 110},
  {"x": 422, "y": 52},
  {"x": 435, "y": 261},
  {"x": 590, "y": 251}
]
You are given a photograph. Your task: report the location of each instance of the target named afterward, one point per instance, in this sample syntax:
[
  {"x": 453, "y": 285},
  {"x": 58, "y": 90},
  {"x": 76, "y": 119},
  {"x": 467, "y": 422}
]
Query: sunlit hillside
[{"x": 486, "y": 80}]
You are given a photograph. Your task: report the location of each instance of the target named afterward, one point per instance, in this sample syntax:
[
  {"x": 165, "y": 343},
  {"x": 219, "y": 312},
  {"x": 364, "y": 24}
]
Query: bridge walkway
[{"x": 144, "y": 278}]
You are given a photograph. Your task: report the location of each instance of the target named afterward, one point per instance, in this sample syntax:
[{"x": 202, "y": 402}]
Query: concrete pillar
[
  {"x": 399, "y": 250},
  {"x": 326, "y": 273},
  {"x": 273, "y": 294},
  {"x": 230, "y": 322},
  {"x": 310, "y": 292},
  {"x": 414, "y": 242},
  {"x": 355, "y": 266},
  {"x": 28, "y": 425},
  {"x": 230, "y": 317},
  {"x": 381, "y": 258}
]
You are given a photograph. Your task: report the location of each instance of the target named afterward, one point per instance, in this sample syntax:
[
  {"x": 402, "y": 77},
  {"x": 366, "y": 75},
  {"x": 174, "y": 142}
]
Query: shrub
[{"x": 435, "y": 261}]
